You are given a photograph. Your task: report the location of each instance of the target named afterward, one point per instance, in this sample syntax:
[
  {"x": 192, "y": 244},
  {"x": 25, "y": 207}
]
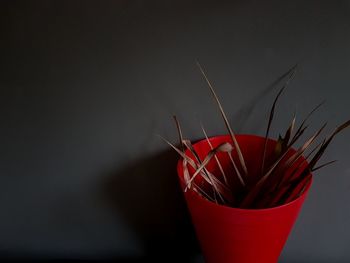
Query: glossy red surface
[{"x": 236, "y": 235}]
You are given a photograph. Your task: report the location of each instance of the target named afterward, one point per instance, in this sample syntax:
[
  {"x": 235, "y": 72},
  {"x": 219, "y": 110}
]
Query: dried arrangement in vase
[{"x": 278, "y": 175}]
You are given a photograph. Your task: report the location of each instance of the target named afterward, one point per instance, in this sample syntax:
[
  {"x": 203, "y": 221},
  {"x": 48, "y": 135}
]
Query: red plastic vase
[{"x": 236, "y": 235}]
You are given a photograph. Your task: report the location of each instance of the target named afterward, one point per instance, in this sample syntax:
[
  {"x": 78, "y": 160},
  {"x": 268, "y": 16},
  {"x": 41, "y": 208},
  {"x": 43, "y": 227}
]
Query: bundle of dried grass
[{"x": 274, "y": 186}]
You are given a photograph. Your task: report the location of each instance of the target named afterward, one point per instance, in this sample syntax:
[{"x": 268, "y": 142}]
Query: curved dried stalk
[
  {"x": 272, "y": 112},
  {"x": 223, "y": 147},
  {"x": 324, "y": 145},
  {"x": 179, "y": 131},
  {"x": 184, "y": 161},
  {"x": 224, "y": 191},
  {"x": 184, "y": 156},
  {"x": 301, "y": 128},
  {"x": 238, "y": 149},
  {"x": 323, "y": 165},
  {"x": 189, "y": 146},
  {"x": 284, "y": 180},
  {"x": 218, "y": 187},
  {"x": 252, "y": 195},
  {"x": 303, "y": 177},
  {"x": 216, "y": 158},
  {"x": 231, "y": 160},
  {"x": 236, "y": 169}
]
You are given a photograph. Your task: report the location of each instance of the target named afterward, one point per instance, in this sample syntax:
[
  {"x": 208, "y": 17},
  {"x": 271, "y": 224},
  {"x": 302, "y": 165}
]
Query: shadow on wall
[{"x": 147, "y": 194}]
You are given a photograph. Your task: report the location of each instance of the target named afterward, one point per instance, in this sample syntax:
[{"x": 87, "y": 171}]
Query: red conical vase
[{"x": 237, "y": 235}]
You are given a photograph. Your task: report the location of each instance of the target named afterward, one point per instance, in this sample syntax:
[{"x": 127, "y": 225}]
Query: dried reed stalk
[{"x": 284, "y": 180}]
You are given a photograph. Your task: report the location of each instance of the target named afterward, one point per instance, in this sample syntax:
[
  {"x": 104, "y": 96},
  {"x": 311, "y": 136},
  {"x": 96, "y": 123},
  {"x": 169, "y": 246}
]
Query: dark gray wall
[{"x": 85, "y": 86}]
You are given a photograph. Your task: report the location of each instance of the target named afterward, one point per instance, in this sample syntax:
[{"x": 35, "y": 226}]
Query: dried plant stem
[
  {"x": 272, "y": 112},
  {"x": 325, "y": 144},
  {"x": 236, "y": 169},
  {"x": 301, "y": 128},
  {"x": 184, "y": 161},
  {"x": 224, "y": 191},
  {"x": 289, "y": 132},
  {"x": 216, "y": 158},
  {"x": 224, "y": 147},
  {"x": 289, "y": 172},
  {"x": 186, "y": 173},
  {"x": 189, "y": 146},
  {"x": 282, "y": 179},
  {"x": 203, "y": 193},
  {"x": 184, "y": 156},
  {"x": 249, "y": 199},
  {"x": 303, "y": 178},
  {"x": 323, "y": 165},
  {"x": 240, "y": 155},
  {"x": 179, "y": 131},
  {"x": 291, "y": 193},
  {"x": 302, "y": 149},
  {"x": 231, "y": 159},
  {"x": 253, "y": 193}
]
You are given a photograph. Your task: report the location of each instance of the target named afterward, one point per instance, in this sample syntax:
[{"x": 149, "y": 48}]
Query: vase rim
[{"x": 249, "y": 210}]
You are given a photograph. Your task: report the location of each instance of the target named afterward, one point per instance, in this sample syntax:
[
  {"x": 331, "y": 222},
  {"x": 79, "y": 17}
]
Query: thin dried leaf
[
  {"x": 253, "y": 193},
  {"x": 292, "y": 194},
  {"x": 295, "y": 158},
  {"x": 279, "y": 145},
  {"x": 202, "y": 192},
  {"x": 249, "y": 199},
  {"x": 305, "y": 185},
  {"x": 189, "y": 146},
  {"x": 283, "y": 180},
  {"x": 323, "y": 165},
  {"x": 226, "y": 193},
  {"x": 223, "y": 189},
  {"x": 216, "y": 158},
  {"x": 272, "y": 113},
  {"x": 184, "y": 156},
  {"x": 307, "y": 171},
  {"x": 194, "y": 186},
  {"x": 302, "y": 149},
  {"x": 224, "y": 147},
  {"x": 178, "y": 127},
  {"x": 314, "y": 149},
  {"x": 319, "y": 154},
  {"x": 184, "y": 161},
  {"x": 231, "y": 159},
  {"x": 282, "y": 142},
  {"x": 236, "y": 169},
  {"x": 342, "y": 127},
  {"x": 186, "y": 173},
  {"x": 240, "y": 155},
  {"x": 288, "y": 133},
  {"x": 297, "y": 135},
  {"x": 301, "y": 128}
]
